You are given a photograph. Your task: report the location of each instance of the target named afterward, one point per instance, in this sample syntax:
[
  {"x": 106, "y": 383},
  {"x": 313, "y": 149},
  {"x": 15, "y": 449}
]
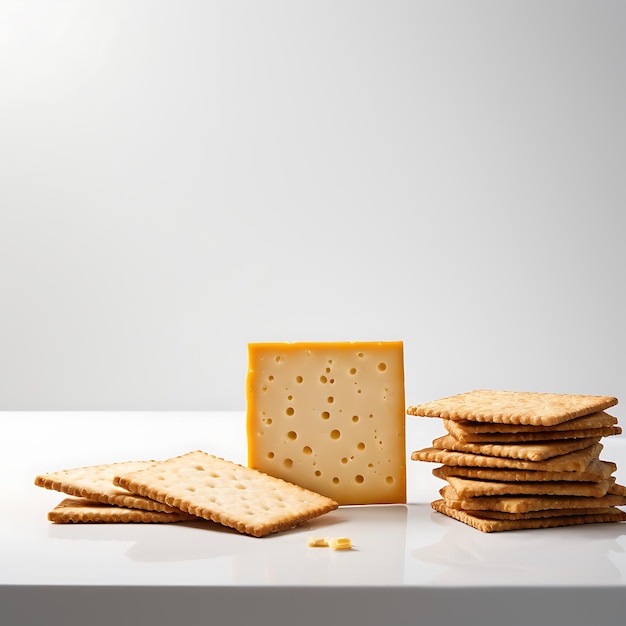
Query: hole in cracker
[{"x": 200, "y": 468}]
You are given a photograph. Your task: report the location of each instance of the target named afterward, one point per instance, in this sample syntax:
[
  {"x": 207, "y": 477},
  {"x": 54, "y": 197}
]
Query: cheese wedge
[{"x": 330, "y": 417}]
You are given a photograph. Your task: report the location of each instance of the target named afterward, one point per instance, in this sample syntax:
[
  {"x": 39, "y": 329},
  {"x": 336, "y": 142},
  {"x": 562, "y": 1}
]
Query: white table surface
[{"x": 410, "y": 564}]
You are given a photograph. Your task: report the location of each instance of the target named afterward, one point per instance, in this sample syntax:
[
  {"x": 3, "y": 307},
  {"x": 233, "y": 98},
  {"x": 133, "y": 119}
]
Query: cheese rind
[{"x": 330, "y": 417}]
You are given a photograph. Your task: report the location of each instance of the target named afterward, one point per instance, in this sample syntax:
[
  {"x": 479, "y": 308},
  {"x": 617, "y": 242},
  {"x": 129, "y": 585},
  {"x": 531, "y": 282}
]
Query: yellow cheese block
[{"x": 330, "y": 417}]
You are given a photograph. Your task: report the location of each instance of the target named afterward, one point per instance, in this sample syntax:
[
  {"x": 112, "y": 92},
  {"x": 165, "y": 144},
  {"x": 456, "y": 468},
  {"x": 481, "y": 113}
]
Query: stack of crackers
[
  {"x": 194, "y": 486},
  {"x": 515, "y": 460}
]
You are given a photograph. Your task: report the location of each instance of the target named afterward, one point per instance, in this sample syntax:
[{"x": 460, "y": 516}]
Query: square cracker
[
  {"x": 513, "y": 407},
  {"x": 95, "y": 482},
  {"x": 488, "y": 525},
  {"x": 601, "y": 510},
  {"x": 595, "y": 472},
  {"x": 541, "y": 434},
  {"x": 599, "y": 419},
  {"x": 523, "y": 504},
  {"x": 225, "y": 492},
  {"x": 82, "y": 510},
  {"x": 472, "y": 488},
  {"x": 529, "y": 451},
  {"x": 572, "y": 462}
]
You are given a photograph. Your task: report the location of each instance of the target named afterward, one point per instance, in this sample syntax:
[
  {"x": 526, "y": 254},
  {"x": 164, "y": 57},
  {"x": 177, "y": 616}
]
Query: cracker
[
  {"x": 95, "y": 482},
  {"x": 541, "y": 435},
  {"x": 606, "y": 510},
  {"x": 573, "y": 462},
  {"x": 529, "y": 451},
  {"x": 472, "y": 488},
  {"x": 225, "y": 492},
  {"x": 596, "y": 471},
  {"x": 492, "y": 525},
  {"x": 599, "y": 419},
  {"x": 513, "y": 407},
  {"x": 82, "y": 510},
  {"x": 523, "y": 504}
]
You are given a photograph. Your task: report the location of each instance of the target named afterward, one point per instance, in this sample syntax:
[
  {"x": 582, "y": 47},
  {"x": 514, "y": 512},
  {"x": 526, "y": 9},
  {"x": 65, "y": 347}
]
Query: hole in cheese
[
  {"x": 292, "y": 434},
  {"x": 289, "y": 410},
  {"x": 288, "y": 463},
  {"x": 335, "y": 480},
  {"x": 381, "y": 367},
  {"x": 299, "y": 379},
  {"x": 325, "y": 415},
  {"x": 358, "y": 479},
  {"x": 335, "y": 434},
  {"x": 330, "y": 399},
  {"x": 360, "y": 446},
  {"x": 307, "y": 450},
  {"x": 323, "y": 379},
  {"x": 355, "y": 418}
]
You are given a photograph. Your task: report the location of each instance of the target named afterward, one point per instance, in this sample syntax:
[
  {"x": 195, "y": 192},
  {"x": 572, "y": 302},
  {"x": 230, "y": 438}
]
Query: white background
[{"x": 178, "y": 179}]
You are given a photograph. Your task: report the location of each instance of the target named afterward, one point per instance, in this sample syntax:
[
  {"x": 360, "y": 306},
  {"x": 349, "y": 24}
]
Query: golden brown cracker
[
  {"x": 528, "y": 451},
  {"x": 513, "y": 407},
  {"x": 542, "y": 435},
  {"x": 493, "y": 525},
  {"x": 599, "y": 419},
  {"x": 606, "y": 510},
  {"x": 472, "y": 488},
  {"x": 574, "y": 461},
  {"x": 523, "y": 504},
  {"x": 225, "y": 492},
  {"x": 82, "y": 510},
  {"x": 596, "y": 471},
  {"x": 95, "y": 482}
]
